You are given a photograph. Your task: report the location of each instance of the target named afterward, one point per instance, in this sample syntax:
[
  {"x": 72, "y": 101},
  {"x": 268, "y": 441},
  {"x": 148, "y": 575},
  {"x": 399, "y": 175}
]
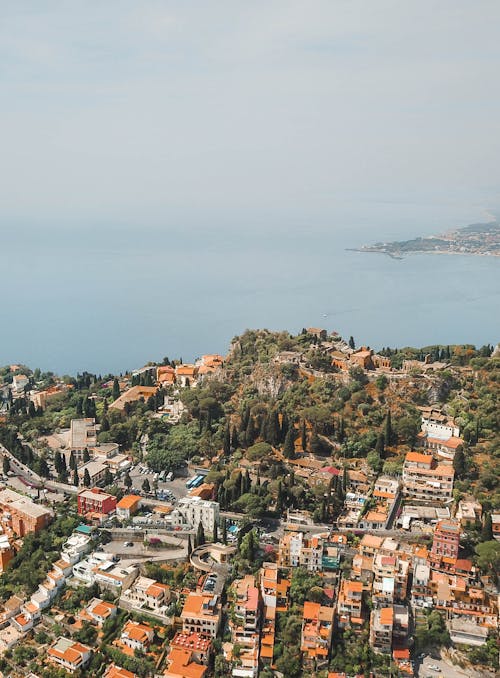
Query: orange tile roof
[
  {"x": 353, "y": 586},
  {"x": 117, "y": 672},
  {"x": 419, "y": 458},
  {"x": 311, "y": 610},
  {"x": 387, "y": 616},
  {"x": 182, "y": 666},
  {"x": 103, "y": 609},
  {"x": 128, "y": 502}
]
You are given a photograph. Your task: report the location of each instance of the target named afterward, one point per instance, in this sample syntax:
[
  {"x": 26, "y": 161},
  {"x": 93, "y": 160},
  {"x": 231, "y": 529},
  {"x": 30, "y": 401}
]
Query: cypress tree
[
  {"x": 487, "y": 531},
  {"x": 245, "y": 418},
  {"x": 86, "y": 456},
  {"x": 86, "y": 478},
  {"x": 303, "y": 435},
  {"x": 116, "y": 389},
  {"x": 246, "y": 483},
  {"x": 224, "y": 531},
  {"x": 226, "y": 445},
  {"x": 272, "y": 432},
  {"x": 76, "y": 481},
  {"x": 58, "y": 462},
  {"x": 200, "y": 535},
  {"x": 289, "y": 446},
  {"x": 388, "y": 435},
  {"x": 459, "y": 463},
  {"x": 72, "y": 461},
  {"x": 345, "y": 479},
  {"x": 216, "y": 533},
  {"x": 250, "y": 432},
  {"x": 235, "y": 442},
  {"x": 380, "y": 446},
  {"x": 189, "y": 546},
  {"x": 239, "y": 485},
  {"x": 351, "y": 343},
  {"x": 44, "y": 468}
]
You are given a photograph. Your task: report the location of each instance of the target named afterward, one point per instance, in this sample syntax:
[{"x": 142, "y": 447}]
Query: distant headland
[{"x": 479, "y": 239}]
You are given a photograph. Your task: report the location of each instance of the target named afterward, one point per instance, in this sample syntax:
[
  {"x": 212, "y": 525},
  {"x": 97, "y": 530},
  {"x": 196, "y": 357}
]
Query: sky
[{"x": 117, "y": 114}]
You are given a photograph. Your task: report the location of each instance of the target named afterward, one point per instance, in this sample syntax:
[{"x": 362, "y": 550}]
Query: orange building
[{"x": 21, "y": 514}]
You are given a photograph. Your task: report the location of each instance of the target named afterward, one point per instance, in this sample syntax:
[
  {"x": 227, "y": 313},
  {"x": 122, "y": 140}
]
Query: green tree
[
  {"x": 146, "y": 486},
  {"x": 76, "y": 481},
  {"x": 116, "y": 389},
  {"x": 6, "y": 464},
  {"x": 487, "y": 531},
  {"x": 289, "y": 446},
  {"x": 200, "y": 535},
  {"x": 248, "y": 547},
  {"x": 86, "y": 478},
  {"x": 72, "y": 461},
  {"x": 488, "y": 556},
  {"x": 86, "y": 456},
  {"x": 459, "y": 463},
  {"x": 127, "y": 481},
  {"x": 388, "y": 434}
]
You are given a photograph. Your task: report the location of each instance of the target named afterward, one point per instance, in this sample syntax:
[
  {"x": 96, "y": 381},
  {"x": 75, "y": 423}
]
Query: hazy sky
[{"x": 125, "y": 110}]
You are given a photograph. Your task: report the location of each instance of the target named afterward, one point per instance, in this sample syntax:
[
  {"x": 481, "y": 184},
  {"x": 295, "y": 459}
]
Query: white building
[
  {"x": 435, "y": 424},
  {"x": 193, "y": 510},
  {"x": 75, "y": 547}
]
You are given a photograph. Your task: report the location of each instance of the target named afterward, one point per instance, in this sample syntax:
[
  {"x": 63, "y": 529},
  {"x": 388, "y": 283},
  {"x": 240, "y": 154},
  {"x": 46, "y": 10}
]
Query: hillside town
[{"x": 301, "y": 506}]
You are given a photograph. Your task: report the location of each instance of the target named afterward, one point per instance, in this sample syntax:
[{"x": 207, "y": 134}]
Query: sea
[{"x": 108, "y": 297}]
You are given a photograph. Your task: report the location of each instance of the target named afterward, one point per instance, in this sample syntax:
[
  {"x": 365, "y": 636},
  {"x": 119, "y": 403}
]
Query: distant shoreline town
[{"x": 478, "y": 239}]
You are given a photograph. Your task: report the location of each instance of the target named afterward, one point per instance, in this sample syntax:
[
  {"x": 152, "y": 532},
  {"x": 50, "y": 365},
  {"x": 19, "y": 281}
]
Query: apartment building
[
  {"x": 201, "y": 614},
  {"x": 350, "y": 604},
  {"x": 316, "y": 635},
  {"x": 298, "y": 550},
  {"x": 69, "y": 655},
  {"x": 421, "y": 595},
  {"x": 424, "y": 480},
  {"x": 147, "y": 592},
  {"x": 82, "y": 436},
  {"x": 193, "y": 511},
  {"x": 274, "y": 588},
  {"x": 21, "y": 514},
  {"x": 390, "y": 579},
  {"x": 381, "y": 626},
  {"x": 244, "y": 623},
  {"x": 446, "y": 540},
  {"x": 96, "y": 471},
  {"x": 95, "y": 501}
]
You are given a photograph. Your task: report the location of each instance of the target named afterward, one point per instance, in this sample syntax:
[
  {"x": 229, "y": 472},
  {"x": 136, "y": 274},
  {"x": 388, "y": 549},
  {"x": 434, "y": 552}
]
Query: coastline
[{"x": 401, "y": 256}]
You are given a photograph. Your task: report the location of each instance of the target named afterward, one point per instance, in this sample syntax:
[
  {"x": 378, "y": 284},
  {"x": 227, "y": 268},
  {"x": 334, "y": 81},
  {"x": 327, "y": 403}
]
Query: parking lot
[
  {"x": 440, "y": 669},
  {"x": 177, "y": 486}
]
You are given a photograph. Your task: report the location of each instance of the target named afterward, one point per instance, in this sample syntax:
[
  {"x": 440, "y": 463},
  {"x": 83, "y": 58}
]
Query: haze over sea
[
  {"x": 172, "y": 173},
  {"x": 110, "y": 299}
]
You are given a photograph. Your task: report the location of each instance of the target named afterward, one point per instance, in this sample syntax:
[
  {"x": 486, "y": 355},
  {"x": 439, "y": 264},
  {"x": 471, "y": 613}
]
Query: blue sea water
[{"x": 108, "y": 298}]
